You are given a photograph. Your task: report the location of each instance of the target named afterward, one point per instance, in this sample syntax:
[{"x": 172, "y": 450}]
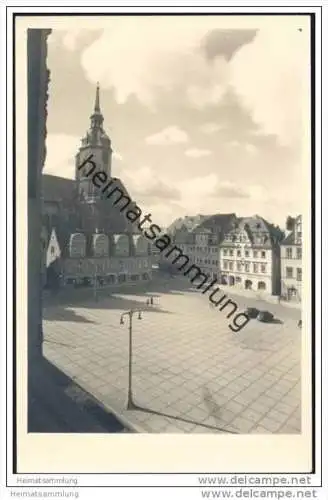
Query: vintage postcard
[{"x": 165, "y": 202}]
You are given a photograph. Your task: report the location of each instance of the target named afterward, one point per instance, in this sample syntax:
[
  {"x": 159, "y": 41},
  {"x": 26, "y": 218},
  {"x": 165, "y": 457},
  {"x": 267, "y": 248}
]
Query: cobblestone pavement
[{"x": 191, "y": 373}]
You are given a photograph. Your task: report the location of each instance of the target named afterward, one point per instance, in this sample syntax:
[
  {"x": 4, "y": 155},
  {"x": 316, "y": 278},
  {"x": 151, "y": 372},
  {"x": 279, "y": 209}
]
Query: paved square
[{"x": 191, "y": 373}]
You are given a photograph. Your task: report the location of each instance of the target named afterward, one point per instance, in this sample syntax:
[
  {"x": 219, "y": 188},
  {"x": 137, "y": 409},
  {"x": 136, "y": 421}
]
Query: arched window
[
  {"x": 140, "y": 244},
  {"x": 261, "y": 285},
  {"x": 100, "y": 245},
  {"x": 122, "y": 247},
  {"x": 77, "y": 244},
  {"x": 248, "y": 284}
]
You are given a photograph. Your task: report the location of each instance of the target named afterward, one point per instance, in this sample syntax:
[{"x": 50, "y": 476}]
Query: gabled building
[
  {"x": 200, "y": 237},
  {"x": 250, "y": 256},
  {"x": 94, "y": 240},
  {"x": 291, "y": 261}
]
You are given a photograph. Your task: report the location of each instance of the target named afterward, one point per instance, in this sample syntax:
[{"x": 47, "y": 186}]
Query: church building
[{"x": 84, "y": 233}]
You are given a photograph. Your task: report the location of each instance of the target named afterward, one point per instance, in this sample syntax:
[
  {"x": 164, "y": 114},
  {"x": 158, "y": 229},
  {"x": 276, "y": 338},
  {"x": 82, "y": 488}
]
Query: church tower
[{"x": 96, "y": 143}]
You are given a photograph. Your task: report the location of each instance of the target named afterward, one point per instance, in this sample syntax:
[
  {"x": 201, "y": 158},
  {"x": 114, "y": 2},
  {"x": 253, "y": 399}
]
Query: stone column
[{"x": 38, "y": 77}]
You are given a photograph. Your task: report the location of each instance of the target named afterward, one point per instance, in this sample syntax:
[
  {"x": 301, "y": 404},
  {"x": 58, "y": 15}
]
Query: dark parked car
[
  {"x": 265, "y": 316},
  {"x": 252, "y": 312}
]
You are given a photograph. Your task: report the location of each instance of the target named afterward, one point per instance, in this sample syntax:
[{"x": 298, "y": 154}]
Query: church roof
[
  {"x": 68, "y": 210},
  {"x": 72, "y": 215},
  {"x": 55, "y": 189}
]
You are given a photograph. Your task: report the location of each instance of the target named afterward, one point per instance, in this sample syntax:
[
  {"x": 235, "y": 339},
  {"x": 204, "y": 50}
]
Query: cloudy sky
[{"x": 206, "y": 114}]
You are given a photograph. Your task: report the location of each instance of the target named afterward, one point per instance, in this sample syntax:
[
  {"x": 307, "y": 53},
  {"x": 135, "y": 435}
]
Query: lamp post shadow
[
  {"x": 129, "y": 314},
  {"x": 131, "y": 405}
]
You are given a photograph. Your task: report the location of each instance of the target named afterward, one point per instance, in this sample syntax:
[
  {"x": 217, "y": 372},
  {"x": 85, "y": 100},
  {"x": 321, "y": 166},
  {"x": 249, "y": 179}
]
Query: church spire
[
  {"x": 97, "y": 102},
  {"x": 97, "y": 117}
]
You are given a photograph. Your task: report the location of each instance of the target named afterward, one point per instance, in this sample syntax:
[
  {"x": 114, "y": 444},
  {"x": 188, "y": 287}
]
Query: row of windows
[
  {"x": 207, "y": 261},
  {"x": 289, "y": 254},
  {"x": 258, "y": 239},
  {"x": 290, "y": 273},
  {"x": 256, "y": 268},
  {"x": 93, "y": 265},
  {"x": 256, "y": 253},
  {"x": 200, "y": 249},
  {"x": 104, "y": 280}
]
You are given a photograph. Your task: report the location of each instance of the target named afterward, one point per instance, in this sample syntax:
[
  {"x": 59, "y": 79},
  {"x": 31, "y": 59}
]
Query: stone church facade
[{"x": 84, "y": 233}]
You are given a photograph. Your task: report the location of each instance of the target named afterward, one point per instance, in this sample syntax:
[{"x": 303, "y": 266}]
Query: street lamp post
[
  {"x": 130, "y": 405},
  {"x": 95, "y": 281}
]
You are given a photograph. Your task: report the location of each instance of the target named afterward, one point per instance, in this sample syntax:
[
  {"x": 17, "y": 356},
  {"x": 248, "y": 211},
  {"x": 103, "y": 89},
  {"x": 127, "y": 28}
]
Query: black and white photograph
[
  {"x": 169, "y": 234},
  {"x": 171, "y": 203}
]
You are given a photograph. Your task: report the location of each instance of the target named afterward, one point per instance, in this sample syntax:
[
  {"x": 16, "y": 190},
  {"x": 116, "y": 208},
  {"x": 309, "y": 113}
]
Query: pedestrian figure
[
  {"x": 151, "y": 301},
  {"x": 299, "y": 324}
]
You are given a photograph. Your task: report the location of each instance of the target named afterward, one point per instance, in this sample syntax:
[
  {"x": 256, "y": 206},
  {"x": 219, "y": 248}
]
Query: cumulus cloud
[
  {"x": 234, "y": 144},
  {"x": 61, "y": 151},
  {"x": 169, "y": 135},
  {"x": 71, "y": 38},
  {"x": 197, "y": 153},
  {"x": 146, "y": 56},
  {"x": 230, "y": 190},
  {"x": 147, "y": 186},
  {"x": 210, "y": 186},
  {"x": 251, "y": 149},
  {"x": 117, "y": 156},
  {"x": 271, "y": 75},
  {"x": 210, "y": 128},
  {"x": 161, "y": 54}
]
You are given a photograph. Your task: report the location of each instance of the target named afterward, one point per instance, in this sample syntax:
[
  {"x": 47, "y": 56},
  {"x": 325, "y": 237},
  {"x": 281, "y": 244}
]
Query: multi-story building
[
  {"x": 250, "y": 256},
  {"x": 202, "y": 248},
  {"x": 200, "y": 240},
  {"x": 291, "y": 261},
  {"x": 84, "y": 232}
]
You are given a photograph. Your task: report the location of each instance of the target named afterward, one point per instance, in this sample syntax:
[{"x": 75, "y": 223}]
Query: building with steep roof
[
  {"x": 96, "y": 242},
  {"x": 250, "y": 256},
  {"x": 291, "y": 262},
  {"x": 200, "y": 237}
]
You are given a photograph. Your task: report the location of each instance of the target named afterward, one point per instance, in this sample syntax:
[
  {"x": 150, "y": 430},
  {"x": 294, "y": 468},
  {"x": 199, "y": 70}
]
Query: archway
[
  {"x": 291, "y": 293},
  {"x": 248, "y": 284},
  {"x": 261, "y": 285},
  {"x": 111, "y": 279},
  {"x": 224, "y": 280},
  {"x": 122, "y": 278},
  {"x": 231, "y": 280}
]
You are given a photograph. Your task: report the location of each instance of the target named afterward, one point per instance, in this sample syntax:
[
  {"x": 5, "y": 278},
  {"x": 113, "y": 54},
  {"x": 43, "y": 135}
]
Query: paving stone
[
  {"x": 270, "y": 424},
  {"x": 252, "y": 415},
  {"x": 288, "y": 429},
  {"x": 234, "y": 407},
  {"x": 186, "y": 354},
  {"x": 276, "y": 415},
  {"x": 226, "y": 416},
  {"x": 260, "y": 430},
  {"x": 242, "y": 424}
]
